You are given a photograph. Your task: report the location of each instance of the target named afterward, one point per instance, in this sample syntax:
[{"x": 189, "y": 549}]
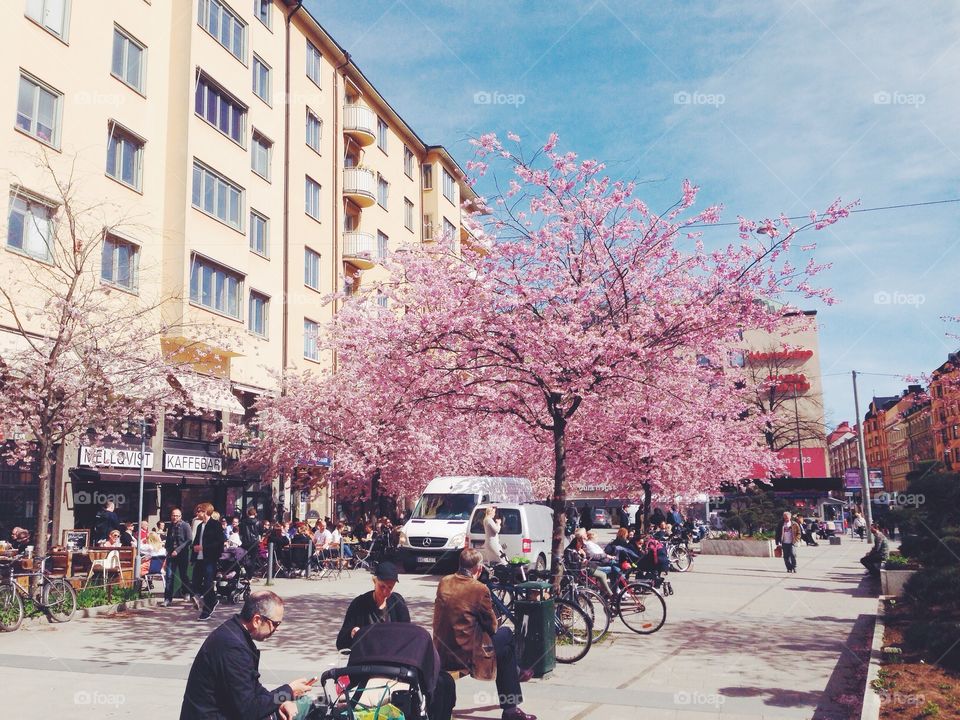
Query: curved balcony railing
[
  {"x": 359, "y": 249},
  {"x": 360, "y": 185},
  {"x": 360, "y": 123}
]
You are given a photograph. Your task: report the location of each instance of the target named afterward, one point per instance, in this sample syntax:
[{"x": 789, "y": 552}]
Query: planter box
[
  {"x": 739, "y": 548},
  {"x": 893, "y": 581}
]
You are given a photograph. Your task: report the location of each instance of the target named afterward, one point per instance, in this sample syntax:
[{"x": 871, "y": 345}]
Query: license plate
[{"x": 424, "y": 559}]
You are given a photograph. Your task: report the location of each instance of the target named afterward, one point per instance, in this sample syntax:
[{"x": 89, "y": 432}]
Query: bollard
[{"x": 269, "y": 563}]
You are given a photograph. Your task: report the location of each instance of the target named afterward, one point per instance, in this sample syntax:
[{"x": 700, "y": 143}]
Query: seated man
[
  {"x": 224, "y": 681},
  {"x": 379, "y": 605},
  {"x": 878, "y": 553},
  {"x": 467, "y": 639},
  {"x": 20, "y": 539}
]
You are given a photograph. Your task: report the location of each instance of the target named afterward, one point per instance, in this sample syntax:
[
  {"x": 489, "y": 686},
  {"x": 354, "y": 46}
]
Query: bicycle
[
  {"x": 55, "y": 597},
  {"x": 638, "y": 603},
  {"x": 573, "y": 628},
  {"x": 679, "y": 551}
]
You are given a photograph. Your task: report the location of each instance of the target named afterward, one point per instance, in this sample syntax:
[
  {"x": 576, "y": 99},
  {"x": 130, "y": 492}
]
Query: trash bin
[{"x": 535, "y": 614}]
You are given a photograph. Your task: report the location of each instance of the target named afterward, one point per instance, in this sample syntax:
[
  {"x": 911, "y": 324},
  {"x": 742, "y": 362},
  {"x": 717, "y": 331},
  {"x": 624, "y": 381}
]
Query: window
[
  {"x": 259, "y": 234},
  {"x": 204, "y": 427},
  {"x": 30, "y": 226},
  {"x": 428, "y": 227},
  {"x": 383, "y": 191},
  {"x": 127, "y": 63},
  {"x": 383, "y": 301},
  {"x": 408, "y": 161},
  {"x": 124, "y": 156},
  {"x": 381, "y": 134},
  {"x": 311, "y": 268},
  {"x": 448, "y": 186},
  {"x": 49, "y": 14},
  {"x": 217, "y": 196},
  {"x": 263, "y": 10},
  {"x": 449, "y": 229},
  {"x": 261, "y": 79},
  {"x": 311, "y": 332},
  {"x": 224, "y": 25},
  {"x": 408, "y": 214},
  {"x": 312, "y": 200},
  {"x": 257, "y": 313},
  {"x": 220, "y": 109},
  {"x": 313, "y": 63},
  {"x": 119, "y": 262},
  {"x": 38, "y": 111},
  {"x": 428, "y": 176},
  {"x": 215, "y": 287},
  {"x": 260, "y": 151},
  {"x": 383, "y": 243},
  {"x": 314, "y": 130}
]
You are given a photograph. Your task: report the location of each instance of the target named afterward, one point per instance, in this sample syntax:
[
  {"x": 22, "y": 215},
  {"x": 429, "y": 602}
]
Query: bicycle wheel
[
  {"x": 504, "y": 595},
  {"x": 574, "y": 632},
  {"x": 11, "y": 608},
  {"x": 679, "y": 558},
  {"x": 597, "y": 610},
  {"x": 59, "y": 599},
  {"x": 642, "y": 608}
]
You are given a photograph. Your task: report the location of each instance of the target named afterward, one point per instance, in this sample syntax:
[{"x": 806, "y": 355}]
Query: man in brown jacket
[
  {"x": 787, "y": 537},
  {"x": 465, "y": 633}
]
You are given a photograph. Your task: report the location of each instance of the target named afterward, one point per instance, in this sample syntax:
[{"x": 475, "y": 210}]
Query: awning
[
  {"x": 150, "y": 477},
  {"x": 254, "y": 390},
  {"x": 209, "y": 393}
]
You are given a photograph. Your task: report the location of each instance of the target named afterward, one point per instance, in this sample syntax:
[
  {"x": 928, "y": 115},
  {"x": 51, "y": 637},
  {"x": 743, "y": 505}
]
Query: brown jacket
[
  {"x": 463, "y": 627},
  {"x": 797, "y": 533}
]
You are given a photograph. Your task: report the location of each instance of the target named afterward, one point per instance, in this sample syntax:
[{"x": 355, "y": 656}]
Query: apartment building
[
  {"x": 945, "y": 412},
  {"x": 266, "y": 172},
  {"x": 842, "y": 449}
]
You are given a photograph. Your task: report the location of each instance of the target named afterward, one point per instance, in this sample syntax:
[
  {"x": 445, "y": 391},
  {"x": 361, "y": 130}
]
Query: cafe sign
[
  {"x": 192, "y": 463},
  {"x": 114, "y": 457}
]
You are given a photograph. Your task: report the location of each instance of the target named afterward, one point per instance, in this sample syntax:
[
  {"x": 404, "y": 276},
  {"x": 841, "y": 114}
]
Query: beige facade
[{"x": 264, "y": 171}]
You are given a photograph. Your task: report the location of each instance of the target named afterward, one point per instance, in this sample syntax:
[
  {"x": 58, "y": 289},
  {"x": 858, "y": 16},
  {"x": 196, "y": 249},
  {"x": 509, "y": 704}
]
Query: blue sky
[{"x": 768, "y": 106}]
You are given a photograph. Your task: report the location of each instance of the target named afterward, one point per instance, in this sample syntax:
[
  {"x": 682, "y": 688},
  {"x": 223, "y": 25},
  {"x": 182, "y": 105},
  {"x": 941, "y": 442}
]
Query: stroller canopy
[{"x": 398, "y": 643}]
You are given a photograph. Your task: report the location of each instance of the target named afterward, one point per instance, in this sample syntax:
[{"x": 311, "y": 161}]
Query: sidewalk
[{"x": 743, "y": 639}]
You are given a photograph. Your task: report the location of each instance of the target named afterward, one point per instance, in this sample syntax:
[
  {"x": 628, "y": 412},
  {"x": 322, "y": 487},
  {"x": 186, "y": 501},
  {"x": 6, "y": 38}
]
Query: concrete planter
[
  {"x": 739, "y": 548},
  {"x": 894, "y": 580}
]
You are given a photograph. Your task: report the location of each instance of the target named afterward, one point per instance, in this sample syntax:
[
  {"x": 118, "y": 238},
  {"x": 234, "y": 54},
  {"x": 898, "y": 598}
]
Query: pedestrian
[
  {"x": 224, "y": 680},
  {"x": 207, "y": 548},
  {"x": 467, "y": 639},
  {"x": 788, "y": 535},
  {"x": 492, "y": 551},
  {"x": 657, "y": 517},
  {"x": 573, "y": 519},
  {"x": 674, "y": 517},
  {"x": 586, "y": 518},
  {"x": 638, "y": 519},
  {"x": 177, "y": 546}
]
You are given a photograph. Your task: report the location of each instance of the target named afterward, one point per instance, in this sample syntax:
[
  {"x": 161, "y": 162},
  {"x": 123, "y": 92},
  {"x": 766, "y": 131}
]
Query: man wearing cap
[{"x": 379, "y": 605}]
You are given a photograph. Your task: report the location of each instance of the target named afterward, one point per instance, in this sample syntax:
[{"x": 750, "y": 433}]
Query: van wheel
[{"x": 541, "y": 563}]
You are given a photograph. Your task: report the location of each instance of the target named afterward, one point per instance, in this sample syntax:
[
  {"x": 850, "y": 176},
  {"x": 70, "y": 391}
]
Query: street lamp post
[
  {"x": 862, "y": 450},
  {"x": 796, "y": 415}
]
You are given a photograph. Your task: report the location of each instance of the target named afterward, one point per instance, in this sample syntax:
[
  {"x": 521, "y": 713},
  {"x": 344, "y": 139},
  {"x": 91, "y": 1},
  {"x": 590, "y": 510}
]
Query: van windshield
[{"x": 455, "y": 506}]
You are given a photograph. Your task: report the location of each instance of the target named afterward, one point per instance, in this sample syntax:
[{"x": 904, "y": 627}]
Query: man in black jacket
[
  {"x": 379, "y": 605},
  {"x": 105, "y": 521},
  {"x": 177, "y": 545},
  {"x": 207, "y": 547},
  {"x": 224, "y": 681}
]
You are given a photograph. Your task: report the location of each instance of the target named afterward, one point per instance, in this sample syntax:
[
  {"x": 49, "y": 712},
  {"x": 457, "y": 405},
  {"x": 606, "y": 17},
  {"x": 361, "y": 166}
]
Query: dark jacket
[
  {"x": 178, "y": 538},
  {"x": 213, "y": 539},
  {"x": 463, "y": 627},
  {"x": 103, "y": 523},
  {"x": 249, "y": 531},
  {"x": 224, "y": 681},
  {"x": 363, "y": 611}
]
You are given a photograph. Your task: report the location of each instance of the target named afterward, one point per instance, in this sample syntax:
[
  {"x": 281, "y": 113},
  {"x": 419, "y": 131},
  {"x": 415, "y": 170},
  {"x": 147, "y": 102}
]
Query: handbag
[{"x": 778, "y": 551}]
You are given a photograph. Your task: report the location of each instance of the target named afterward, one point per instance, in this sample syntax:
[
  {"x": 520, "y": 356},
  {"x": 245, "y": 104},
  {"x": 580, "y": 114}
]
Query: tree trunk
[
  {"x": 43, "y": 497},
  {"x": 559, "y": 496},
  {"x": 647, "y": 494}
]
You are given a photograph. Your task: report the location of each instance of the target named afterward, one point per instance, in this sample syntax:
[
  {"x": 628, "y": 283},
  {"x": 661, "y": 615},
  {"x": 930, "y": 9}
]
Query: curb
[{"x": 870, "y": 710}]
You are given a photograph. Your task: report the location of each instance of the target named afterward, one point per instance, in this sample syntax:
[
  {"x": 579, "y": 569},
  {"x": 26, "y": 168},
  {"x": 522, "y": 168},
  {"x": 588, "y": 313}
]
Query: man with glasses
[
  {"x": 178, "y": 556},
  {"x": 224, "y": 681}
]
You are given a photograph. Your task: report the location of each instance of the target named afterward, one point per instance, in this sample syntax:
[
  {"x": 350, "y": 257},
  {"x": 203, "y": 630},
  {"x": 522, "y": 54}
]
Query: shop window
[{"x": 204, "y": 427}]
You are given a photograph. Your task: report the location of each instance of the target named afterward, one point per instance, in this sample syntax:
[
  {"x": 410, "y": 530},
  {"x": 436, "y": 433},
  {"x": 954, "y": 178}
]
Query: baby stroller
[
  {"x": 391, "y": 664},
  {"x": 232, "y": 582}
]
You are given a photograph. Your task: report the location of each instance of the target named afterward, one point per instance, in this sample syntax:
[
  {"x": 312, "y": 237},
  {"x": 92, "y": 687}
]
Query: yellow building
[{"x": 266, "y": 172}]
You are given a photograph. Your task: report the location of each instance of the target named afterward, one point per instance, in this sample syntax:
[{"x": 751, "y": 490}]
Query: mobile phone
[{"x": 312, "y": 680}]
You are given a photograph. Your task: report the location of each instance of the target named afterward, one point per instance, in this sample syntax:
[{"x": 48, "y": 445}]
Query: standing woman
[{"x": 492, "y": 550}]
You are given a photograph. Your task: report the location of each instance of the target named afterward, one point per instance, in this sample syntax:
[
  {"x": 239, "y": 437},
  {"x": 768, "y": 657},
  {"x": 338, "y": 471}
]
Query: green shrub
[
  {"x": 938, "y": 640},
  {"x": 935, "y": 587}
]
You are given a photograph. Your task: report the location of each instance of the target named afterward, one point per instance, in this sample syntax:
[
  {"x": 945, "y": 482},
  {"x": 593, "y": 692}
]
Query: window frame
[
  {"x": 115, "y": 130},
  {"x": 259, "y": 5},
  {"x": 310, "y": 258},
  {"x": 314, "y": 58},
  {"x": 39, "y": 22},
  {"x": 315, "y": 357},
  {"x": 134, "y": 270},
  {"x": 265, "y": 313},
  {"x": 308, "y": 185},
  {"x": 449, "y": 229},
  {"x": 20, "y": 194},
  {"x": 384, "y": 184},
  {"x": 38, "y": 87},
  {"x": 383, "y": 244},
  {"x": 267, "y": 96},
  {"x": 265, "y": 253},
  {"x": 408, "y": 213},
  {"x": 129, "y": 40},
  {"x": 208, "y": 83},
  {"x": 447, "y": 179},
  {"x": 204, "y": 168},
  {"x": 315, "y": 116},
  {"x": 408, "y": 162},
  {"x": 266, "y": 147},
  {"x": 426, "y": 173},
  {"x": 383, "y": 134},
  {"x": 201, "y": 261},
  {"x": 203, "y": 13}
]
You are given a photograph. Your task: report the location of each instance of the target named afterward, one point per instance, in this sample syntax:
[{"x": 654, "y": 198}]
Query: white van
[
  {"x": 526, "y": 530},
  {"x": 438, "y": 524}
]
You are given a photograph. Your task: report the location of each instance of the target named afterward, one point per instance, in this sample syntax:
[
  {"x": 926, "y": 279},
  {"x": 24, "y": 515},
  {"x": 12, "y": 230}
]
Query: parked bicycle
[
  {"x": 680, "y": 551},
  {"x": 637, "y": 602},
  {"x": 53, "y": 596}
]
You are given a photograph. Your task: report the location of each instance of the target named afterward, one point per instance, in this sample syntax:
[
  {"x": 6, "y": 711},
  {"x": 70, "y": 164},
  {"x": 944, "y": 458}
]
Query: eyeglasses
[{"x": 273, "y": 623}]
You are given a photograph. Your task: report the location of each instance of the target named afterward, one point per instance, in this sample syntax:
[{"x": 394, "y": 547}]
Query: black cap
[{"x": 387, "y": 571}]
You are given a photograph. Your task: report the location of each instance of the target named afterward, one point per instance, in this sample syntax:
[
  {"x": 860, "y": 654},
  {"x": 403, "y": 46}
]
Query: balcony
[
  {"x": 360, "y": 123},
  {"x": 359, "y": 249},
  {"x": 360, "y": 186}
]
